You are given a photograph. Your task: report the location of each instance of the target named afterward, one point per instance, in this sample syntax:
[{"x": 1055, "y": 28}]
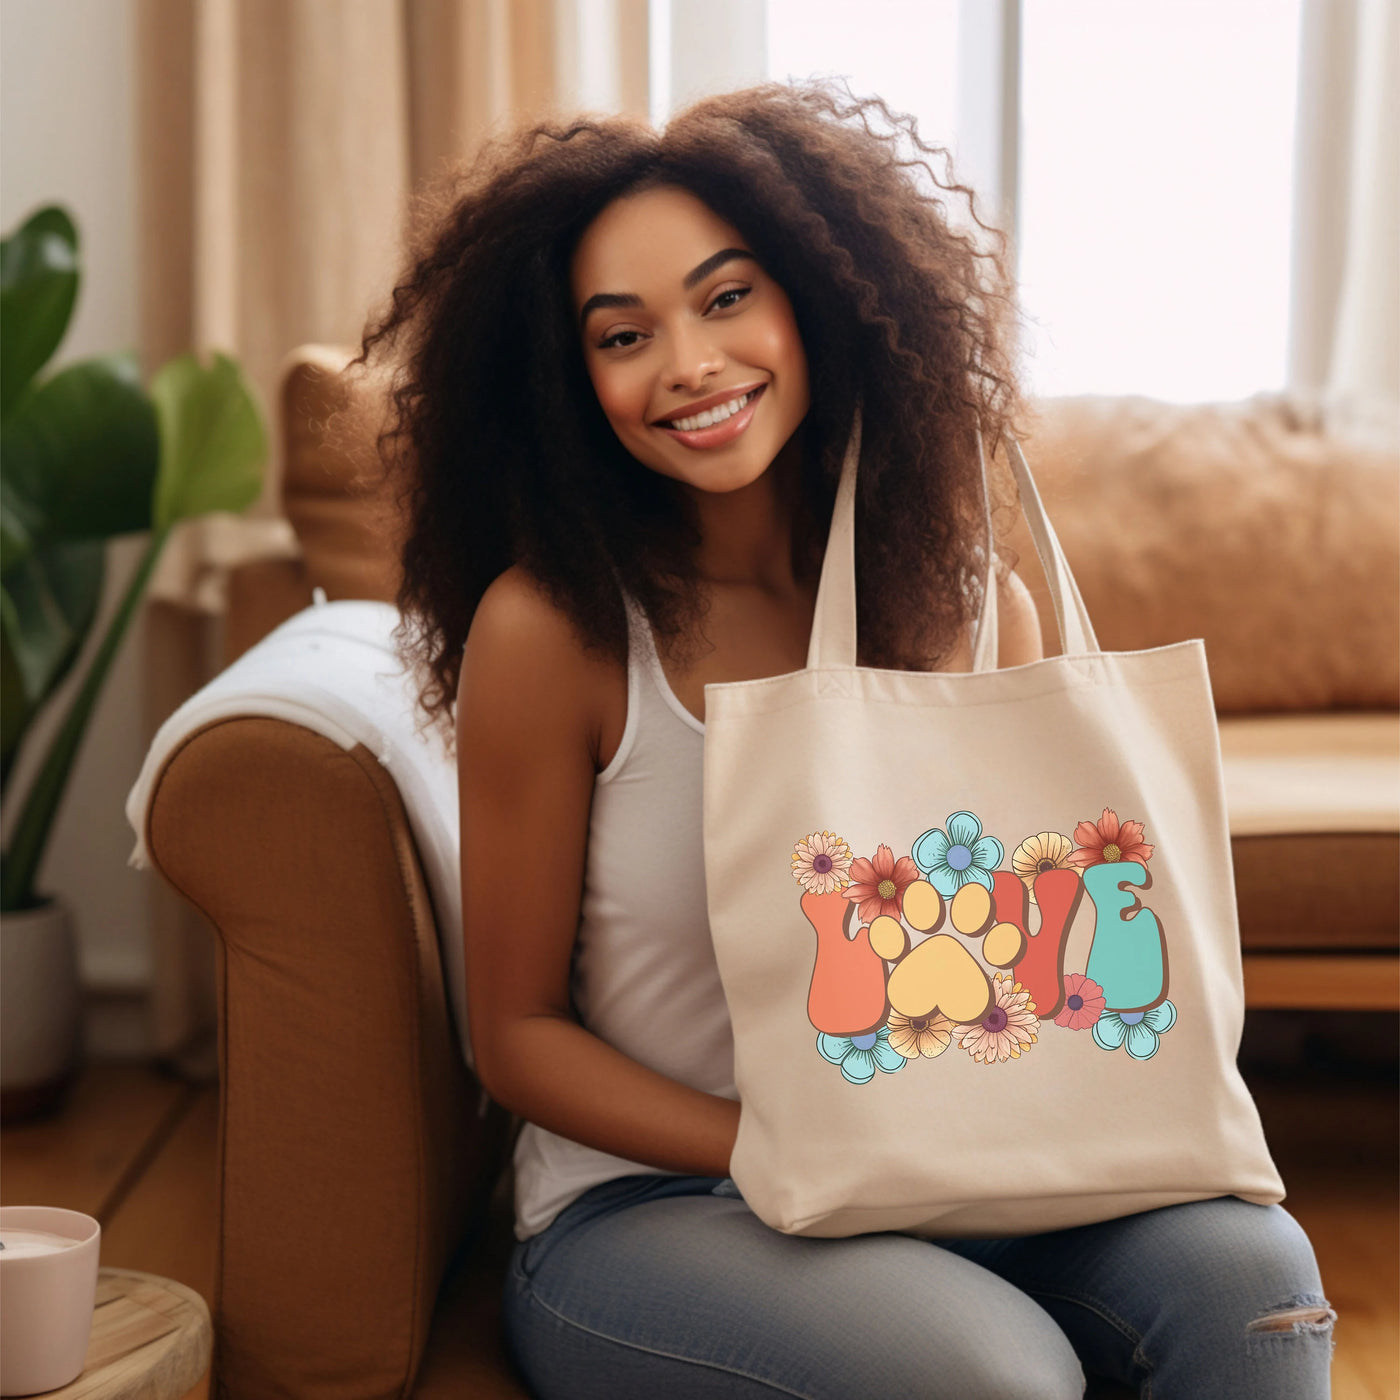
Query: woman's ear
[{"x": 1018, "y": 622}]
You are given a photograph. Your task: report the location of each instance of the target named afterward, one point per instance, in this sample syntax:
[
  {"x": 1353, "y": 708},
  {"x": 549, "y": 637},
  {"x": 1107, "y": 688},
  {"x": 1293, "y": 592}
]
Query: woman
[{"x": 632, "y": 362}]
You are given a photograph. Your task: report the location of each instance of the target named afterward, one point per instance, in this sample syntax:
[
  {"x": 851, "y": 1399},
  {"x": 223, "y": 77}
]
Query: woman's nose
[{"x": 694, "y": 358}]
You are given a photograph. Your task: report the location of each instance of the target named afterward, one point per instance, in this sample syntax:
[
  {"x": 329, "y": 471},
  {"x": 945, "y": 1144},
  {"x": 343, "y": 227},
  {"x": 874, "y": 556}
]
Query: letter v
[{"x": 1042, "y": 966}]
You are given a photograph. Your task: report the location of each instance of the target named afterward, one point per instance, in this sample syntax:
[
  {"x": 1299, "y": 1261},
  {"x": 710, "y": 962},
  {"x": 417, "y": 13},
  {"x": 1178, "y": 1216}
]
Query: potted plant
[{"x": 86, "y": 454}]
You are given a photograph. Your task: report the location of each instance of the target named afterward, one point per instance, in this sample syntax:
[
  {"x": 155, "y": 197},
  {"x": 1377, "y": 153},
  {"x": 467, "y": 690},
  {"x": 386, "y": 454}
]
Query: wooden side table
[{"x": 151, "y": 1340}]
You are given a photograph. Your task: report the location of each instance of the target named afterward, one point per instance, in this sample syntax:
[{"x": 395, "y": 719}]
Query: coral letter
[
  {"x": 1042, "y": 966},
  {"x": 847, "y": 996}
]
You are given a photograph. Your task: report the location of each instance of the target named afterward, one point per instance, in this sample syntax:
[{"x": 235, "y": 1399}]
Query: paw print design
[{"x": 971, "y": 911}]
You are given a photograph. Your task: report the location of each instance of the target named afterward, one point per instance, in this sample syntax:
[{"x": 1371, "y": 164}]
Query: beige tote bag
[{"x": 977, "y": 930}]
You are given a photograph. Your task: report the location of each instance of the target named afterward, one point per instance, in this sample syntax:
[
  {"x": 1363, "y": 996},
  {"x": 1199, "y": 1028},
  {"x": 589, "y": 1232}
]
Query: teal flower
[
  {"x": 953, "y": 858},
  {"x": 1141, "y": 1029},
  {"x": 860, "y": 1055}
]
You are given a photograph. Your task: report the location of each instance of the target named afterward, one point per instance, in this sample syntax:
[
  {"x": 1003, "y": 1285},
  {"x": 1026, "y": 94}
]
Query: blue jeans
[{"x": 669, "y": 1287}]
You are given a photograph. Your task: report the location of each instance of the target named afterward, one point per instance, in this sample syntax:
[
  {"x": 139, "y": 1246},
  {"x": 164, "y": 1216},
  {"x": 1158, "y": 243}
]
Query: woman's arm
[{"x": 527, "y": 742}]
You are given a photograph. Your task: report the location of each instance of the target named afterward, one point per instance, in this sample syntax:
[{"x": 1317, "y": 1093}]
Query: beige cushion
[
  {"x": 1238, "y": 523},
  {"x": 1290, "y": 774}
]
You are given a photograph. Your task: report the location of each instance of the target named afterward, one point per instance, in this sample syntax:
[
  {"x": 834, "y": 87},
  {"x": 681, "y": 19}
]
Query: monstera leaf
[
  {"x": 80, "y": 456},
  {"x": 38, "y": 286},
  {"x": 19, "y": 523},
  {"x": 212, "y": 441},
  {"x": 81, "y": 452}
]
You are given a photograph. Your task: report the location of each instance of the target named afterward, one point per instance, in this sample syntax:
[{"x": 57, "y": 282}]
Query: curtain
[
  {"x": 1344, "y": 354},
  {"x": 278, "y": 141}
]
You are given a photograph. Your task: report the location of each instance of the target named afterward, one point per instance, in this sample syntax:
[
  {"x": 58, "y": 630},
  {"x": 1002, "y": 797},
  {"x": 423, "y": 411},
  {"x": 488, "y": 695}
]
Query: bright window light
[
  {"x": 1156, "y": 195},
  {"x": 905, "y": 51}
]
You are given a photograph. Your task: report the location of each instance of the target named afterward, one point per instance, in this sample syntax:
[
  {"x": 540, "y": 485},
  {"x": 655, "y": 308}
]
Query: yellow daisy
[{"x": 1047, "y": 850}]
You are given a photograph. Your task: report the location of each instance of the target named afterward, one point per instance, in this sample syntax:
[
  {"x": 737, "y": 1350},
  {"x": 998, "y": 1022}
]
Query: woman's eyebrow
[
  {"x": 691, "y": 279},
  {"x": 597, "y": 303},
  {"x": 711, "y": 264}
]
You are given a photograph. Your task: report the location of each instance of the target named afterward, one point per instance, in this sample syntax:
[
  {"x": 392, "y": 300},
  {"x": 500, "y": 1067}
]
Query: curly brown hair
[{"x": 502, "y": 455}]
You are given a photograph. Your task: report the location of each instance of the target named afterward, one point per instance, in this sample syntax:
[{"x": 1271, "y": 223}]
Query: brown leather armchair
[{"x": 364, "y": 1179}]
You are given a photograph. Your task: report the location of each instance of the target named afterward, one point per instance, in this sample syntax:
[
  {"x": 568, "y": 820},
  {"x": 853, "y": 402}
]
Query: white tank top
[{"x": 644, "y": 977}]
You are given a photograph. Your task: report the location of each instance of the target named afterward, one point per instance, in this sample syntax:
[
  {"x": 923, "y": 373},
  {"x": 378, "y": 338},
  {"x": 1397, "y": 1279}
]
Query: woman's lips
[{"x": 717, "y": 434}]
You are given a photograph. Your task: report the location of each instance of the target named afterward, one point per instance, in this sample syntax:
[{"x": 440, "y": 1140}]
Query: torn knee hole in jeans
[{"x": 1306, "y": 1313}]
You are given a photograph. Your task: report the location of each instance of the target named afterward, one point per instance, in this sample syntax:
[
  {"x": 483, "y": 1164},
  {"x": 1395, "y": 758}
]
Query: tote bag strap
[
  {"x": 984, "y": 648},
  {"x": 1077, "y": 637},
  {"x": 833, "y": 641}
]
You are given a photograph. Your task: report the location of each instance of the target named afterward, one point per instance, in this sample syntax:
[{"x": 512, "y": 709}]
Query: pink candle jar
[{"x": 48, "y": 1286}]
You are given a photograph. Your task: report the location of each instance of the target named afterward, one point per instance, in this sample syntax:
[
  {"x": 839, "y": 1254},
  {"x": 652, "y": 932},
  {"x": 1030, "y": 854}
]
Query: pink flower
[
  {"x": 1084, "y": 1002},
  {"x": 1008, "y": 1029},
  {"x": 820, "y": 862},
  {"x": 879, "y": 884}
]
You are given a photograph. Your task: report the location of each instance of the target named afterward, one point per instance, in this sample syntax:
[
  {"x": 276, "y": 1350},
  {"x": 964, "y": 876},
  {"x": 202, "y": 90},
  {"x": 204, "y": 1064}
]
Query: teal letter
[{"x": 1128, "y": 958}]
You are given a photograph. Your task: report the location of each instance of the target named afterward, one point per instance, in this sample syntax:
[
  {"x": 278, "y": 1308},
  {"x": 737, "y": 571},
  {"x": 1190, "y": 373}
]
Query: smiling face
[{"x": 693, "y": 349}]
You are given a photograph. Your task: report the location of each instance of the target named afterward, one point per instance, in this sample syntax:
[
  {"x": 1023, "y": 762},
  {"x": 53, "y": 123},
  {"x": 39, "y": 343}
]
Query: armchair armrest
[{"x": 352, "y": 1157}]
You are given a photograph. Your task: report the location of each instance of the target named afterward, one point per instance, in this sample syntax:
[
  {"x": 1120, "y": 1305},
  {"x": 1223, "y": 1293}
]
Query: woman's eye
[
  {"x": 739, "y": 292},
  {"x": 616, "y": 339}
]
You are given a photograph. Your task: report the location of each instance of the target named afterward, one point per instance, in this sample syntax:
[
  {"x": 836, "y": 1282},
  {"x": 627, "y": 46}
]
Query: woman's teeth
[{"x": 711, "y": 416}]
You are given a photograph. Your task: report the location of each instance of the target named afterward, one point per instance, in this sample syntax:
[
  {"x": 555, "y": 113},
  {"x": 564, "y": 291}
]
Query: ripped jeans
[{"x": 670, "y": 1286}]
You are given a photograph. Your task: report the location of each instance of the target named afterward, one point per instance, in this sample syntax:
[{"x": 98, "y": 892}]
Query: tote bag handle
[{"x": 833, "y": 640}]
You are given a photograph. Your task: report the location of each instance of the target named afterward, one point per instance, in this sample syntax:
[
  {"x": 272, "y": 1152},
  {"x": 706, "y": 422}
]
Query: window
[
  {"x": 1156, "y": 195},
  {"x": 1153, "y": 154}
]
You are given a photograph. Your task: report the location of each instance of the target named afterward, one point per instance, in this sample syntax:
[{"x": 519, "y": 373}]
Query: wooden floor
[{"x": 136, "y": 1149}]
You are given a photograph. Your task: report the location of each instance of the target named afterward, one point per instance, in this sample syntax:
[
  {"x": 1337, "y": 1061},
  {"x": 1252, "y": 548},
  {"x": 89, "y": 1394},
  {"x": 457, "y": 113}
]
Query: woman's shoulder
[
  {"x": 520, "y": 636},
  {"x": 517, "y": 613},
  {"x": 525, "y": 667}
]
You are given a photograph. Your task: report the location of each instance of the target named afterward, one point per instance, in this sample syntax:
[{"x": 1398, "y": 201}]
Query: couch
[{"x": 364, "y": 1179}]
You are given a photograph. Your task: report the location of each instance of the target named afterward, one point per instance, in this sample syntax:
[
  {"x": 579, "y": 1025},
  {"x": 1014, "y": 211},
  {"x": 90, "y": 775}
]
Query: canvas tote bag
[{"x": 977, "y": 930}]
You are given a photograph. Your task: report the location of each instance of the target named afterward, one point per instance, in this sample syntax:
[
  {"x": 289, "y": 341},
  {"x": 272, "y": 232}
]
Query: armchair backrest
[{"x": 1240, "y": 523}]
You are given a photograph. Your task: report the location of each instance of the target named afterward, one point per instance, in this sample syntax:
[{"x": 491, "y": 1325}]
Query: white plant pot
[{"x": 40, "y": 1007}]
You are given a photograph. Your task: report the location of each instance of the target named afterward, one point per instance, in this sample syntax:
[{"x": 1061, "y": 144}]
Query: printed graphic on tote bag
[{"x": 886, "y": 996}]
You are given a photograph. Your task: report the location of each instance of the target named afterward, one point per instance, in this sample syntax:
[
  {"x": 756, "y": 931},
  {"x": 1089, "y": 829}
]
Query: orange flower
[
  {"x": 1107, "y": 840},
  {"x": 879, "y": 884},
  {"x": 913, "y": 1036}
]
